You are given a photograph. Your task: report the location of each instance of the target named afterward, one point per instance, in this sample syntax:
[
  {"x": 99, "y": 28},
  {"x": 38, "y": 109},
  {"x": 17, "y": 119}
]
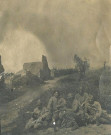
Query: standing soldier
[{"x": 52, "y": 107}]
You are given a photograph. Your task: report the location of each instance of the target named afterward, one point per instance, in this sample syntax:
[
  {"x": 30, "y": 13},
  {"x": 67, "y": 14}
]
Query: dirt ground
[
  {"x": 14, "y": 119},
  {"x": 89, "y": 130},
  {"x": 13, "y": 112}
]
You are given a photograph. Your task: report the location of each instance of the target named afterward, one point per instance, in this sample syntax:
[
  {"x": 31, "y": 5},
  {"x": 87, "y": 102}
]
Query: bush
[{"x": 19, "y": 80}]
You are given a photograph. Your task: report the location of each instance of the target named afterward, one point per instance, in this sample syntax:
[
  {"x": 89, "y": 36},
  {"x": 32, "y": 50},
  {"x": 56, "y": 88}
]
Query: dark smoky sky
[{"x": 56, "y": 28}]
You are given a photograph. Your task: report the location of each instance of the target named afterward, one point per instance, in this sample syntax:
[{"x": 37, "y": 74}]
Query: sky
[{"x": 58, "y": 29}]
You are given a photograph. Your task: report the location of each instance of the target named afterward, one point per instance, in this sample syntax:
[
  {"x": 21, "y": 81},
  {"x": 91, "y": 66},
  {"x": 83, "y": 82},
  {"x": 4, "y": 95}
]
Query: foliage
[
  {"x": 27, "y": 80},
  {"x": 81, "y": 65}
]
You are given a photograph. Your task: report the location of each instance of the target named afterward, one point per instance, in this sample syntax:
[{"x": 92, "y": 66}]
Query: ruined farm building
[{"x": 41, "y": 69}]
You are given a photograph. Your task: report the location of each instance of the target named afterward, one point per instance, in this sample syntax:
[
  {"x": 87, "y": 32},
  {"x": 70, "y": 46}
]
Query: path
[{"x": 11, "y": 110}]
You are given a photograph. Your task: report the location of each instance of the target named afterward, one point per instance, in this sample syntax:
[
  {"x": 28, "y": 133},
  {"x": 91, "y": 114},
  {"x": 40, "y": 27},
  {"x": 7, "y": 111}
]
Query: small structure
[{"x": 41, "y": 69}]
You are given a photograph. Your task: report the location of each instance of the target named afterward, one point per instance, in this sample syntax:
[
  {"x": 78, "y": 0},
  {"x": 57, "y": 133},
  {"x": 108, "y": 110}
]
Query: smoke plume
[{"x": 57, "y": 28}]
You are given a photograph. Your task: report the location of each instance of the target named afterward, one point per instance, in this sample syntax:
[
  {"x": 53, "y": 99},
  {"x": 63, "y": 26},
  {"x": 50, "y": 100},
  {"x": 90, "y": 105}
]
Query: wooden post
[{"x": 104, "y": 64}]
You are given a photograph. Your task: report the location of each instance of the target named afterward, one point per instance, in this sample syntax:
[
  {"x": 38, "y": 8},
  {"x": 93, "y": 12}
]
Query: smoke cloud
[{"x": 56, "y": 28}]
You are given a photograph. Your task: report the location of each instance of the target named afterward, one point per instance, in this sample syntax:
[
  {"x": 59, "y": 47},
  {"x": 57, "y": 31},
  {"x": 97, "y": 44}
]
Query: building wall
[
  {"x": 40, "y": 69},
  {"x": 33, "y": 67}
]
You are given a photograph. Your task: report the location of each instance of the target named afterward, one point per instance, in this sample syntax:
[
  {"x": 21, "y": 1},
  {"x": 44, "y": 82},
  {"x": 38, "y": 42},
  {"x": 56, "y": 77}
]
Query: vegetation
[
  {"x": 69, "y": 83},
  {"x": 27, "y": 80},
  {"x": 81, "y": 65}
]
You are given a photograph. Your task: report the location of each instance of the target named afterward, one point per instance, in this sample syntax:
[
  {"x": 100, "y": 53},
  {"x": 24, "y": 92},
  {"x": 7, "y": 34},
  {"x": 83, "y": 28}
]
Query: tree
[{"x": 81, "y": 65}]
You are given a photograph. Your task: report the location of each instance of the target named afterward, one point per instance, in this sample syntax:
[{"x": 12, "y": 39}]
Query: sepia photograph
[{"x": 55, "y": 67}]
